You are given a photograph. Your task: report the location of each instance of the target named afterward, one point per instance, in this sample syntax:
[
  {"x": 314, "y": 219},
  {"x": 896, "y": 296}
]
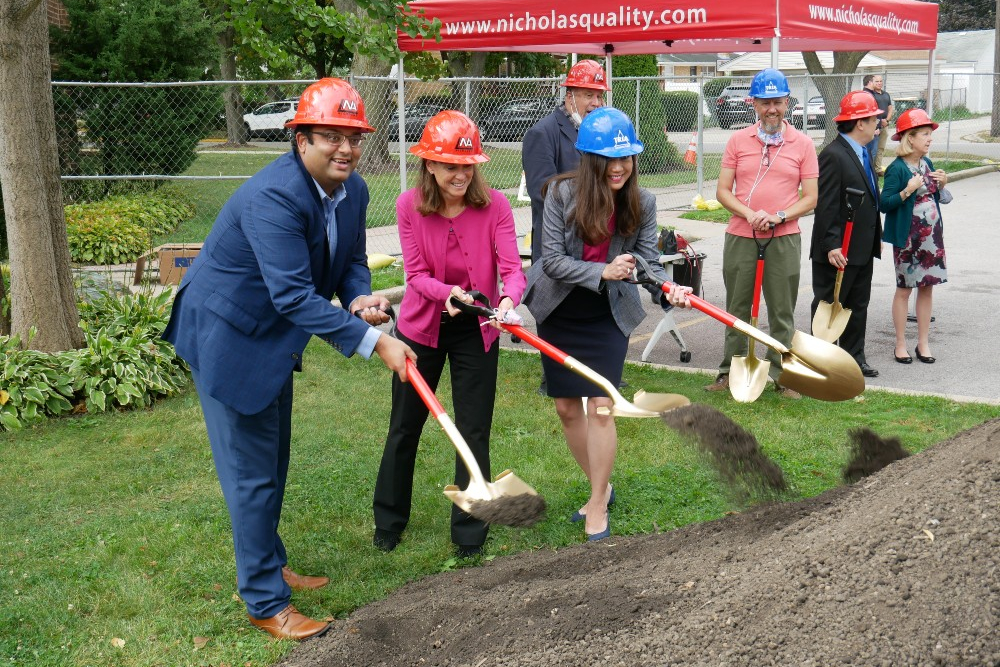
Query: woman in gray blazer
[{"x": 596, "y": 219}]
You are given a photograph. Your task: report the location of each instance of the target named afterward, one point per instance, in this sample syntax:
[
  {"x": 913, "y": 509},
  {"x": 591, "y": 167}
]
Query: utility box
[{"x": 174, "y": 260}]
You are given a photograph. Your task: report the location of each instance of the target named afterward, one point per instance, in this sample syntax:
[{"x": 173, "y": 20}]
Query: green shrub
[
  {"x": 714, "y": 87},
  {"x": 120, "y": 229},
  {"x": 660, "y": 154},
  {"x": 681, "y": 108},
  {"x": 125, "y": 364}
]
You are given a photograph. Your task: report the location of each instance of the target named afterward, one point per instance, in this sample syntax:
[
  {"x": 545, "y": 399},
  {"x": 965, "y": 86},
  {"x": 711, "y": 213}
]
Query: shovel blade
[
  {"x": 659, "y": 403},
  {"x": 820, "y": 370},
  {"x": 748, "y": 377},
  {"x": 506, "y": 484},
  {"x": 830, "y": 321}
]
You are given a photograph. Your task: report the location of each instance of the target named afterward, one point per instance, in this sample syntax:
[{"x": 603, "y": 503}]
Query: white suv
[{"x": 268, "y": 121}]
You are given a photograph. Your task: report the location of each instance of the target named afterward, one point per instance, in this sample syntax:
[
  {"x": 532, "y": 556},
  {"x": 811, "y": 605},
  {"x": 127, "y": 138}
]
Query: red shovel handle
[
  {"x": 758, "y": 283},
  {"x": 848, "y": 228},
  {"x": 534, "y": 341},
  {"x": 704, "y": 306},
  {"x": 424, "y": 389}
]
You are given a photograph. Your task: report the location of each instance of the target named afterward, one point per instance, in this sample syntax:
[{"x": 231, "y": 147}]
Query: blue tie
[{"x": 866, "y": 160}]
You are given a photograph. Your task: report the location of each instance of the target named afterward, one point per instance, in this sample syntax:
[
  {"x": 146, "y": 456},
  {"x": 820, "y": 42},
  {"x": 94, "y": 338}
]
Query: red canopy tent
[
  {"x": 692, "y": 26},
  {"x": 597, "y": 27}
]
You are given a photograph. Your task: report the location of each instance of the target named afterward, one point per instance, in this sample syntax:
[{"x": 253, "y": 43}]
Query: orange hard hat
[
  {"x": 910, "y": 119},
  {"x": 450, "y": 136},
  {"x": 331, "y": 102},
  {"x": 857, "y": 104},
  {"x": 586, "y": 74}
]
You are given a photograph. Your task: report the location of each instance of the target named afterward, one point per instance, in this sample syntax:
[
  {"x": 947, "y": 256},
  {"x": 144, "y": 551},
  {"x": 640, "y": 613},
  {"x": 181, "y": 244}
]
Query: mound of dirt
[{"x": 898, "y": 569}]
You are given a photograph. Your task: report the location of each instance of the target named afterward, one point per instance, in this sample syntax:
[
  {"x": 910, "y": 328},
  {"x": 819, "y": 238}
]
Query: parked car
[
  {"x": 514, "y": 118},
  {"x": 268, "y": 121},
  {"x": 415, "y": 116},
  {"x": 815, "y": 113},
  {"x": 734, "y": 105}
]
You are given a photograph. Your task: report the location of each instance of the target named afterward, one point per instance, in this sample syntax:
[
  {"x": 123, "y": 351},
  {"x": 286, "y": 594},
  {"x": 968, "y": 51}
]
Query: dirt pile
[{"x": 902, "y": 568}]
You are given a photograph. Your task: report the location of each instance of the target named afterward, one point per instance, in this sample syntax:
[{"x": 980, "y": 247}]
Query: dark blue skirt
[{"x": 582, "y": 326}]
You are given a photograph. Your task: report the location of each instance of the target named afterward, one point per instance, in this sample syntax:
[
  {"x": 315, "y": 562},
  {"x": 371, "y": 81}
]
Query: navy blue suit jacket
[
  {"x": 262, "y": 285},
  {"x": 549, "y": 148}
]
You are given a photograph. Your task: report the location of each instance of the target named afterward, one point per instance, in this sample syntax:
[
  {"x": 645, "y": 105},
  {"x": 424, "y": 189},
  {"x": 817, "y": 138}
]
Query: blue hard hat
[
  {"x": 769, "y": 83},
  {"x": 609, "y": 132}
]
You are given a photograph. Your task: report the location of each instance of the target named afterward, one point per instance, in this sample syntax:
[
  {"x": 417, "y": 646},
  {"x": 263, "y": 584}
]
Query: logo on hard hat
[
  {"x": 770, "y": 87},
  {"x": 621, "y": 139},
  {"x": 598, "y": 76},
  {"x": 348, "y": 106},
  {"x": 464, "y": 144}
]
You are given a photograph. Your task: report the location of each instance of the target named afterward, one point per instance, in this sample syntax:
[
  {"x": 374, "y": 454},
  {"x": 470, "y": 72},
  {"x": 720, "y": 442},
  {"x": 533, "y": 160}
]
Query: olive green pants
[{"x": 782, "y": 261}]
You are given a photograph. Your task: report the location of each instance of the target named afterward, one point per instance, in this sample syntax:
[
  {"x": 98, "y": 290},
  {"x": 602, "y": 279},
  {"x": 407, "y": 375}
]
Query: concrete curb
[{"x": 975, "y": 171}]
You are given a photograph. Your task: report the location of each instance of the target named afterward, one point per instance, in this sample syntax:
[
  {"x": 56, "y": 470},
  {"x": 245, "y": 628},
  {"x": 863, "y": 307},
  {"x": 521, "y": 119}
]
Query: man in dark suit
[
  {"x": 549, "y": 147},
  {"x": 845, "y": 163},
  {"x": 284, "y": 244}
]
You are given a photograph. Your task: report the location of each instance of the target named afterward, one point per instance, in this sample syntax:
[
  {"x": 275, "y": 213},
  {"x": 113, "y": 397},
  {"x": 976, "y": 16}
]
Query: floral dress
[{"x": 922, "y": 261}]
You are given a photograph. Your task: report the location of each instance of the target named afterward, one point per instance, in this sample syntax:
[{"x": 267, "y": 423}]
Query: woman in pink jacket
[{"x": 457, "y": 235}]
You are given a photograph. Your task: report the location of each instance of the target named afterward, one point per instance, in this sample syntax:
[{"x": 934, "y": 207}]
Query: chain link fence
[{"x": 118, "y": 138}]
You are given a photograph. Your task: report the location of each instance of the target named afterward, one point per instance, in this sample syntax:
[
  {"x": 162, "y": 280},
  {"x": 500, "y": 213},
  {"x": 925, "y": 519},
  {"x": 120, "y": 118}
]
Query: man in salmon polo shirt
[{"x": 764, "y": 166}]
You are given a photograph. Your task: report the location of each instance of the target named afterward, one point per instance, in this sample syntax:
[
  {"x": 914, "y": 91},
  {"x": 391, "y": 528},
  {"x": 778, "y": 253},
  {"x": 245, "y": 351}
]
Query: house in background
[
  {"x": 687, "y": 66},
  {"x": 965, "y": 70}
]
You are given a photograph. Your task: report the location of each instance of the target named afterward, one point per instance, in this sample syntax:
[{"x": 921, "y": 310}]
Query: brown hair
[
  {"x": 477, "y": 196},
  {"x": 596, "y": 201}
]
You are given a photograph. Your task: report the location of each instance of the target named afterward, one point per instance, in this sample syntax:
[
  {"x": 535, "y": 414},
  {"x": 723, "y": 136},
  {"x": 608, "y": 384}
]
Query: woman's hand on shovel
[
  {"x": 678, "y": 296},
  {"x": 458, "y": 294},
  {"x": 620, "y": 268}
]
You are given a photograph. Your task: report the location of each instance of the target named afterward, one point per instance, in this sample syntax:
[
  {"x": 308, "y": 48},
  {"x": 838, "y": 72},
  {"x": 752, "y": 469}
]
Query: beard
[{"x": 771, "y": 127}]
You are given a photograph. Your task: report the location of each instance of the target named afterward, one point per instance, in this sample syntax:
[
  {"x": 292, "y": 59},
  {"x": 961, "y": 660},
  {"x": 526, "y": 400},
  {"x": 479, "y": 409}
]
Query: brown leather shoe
[
  {"x": 786, "y": 392},
  {"x": 721, "y": 384},
  {"x": 290, "y": 624},
  {"x": 300, "y": 581}
]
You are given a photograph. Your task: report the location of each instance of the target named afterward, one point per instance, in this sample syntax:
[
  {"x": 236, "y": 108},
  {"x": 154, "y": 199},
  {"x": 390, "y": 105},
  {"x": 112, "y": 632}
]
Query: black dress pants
[
  {"x": 473, "y": 383},
  {"x": 855, "y": 293}
]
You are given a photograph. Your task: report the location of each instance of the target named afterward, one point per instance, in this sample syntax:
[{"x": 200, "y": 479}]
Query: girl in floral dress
[{"x": 911, "y": 196}]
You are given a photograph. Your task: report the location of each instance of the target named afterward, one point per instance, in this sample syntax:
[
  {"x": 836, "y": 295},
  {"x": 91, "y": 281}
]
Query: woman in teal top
[{"x": 910, "y": 199}]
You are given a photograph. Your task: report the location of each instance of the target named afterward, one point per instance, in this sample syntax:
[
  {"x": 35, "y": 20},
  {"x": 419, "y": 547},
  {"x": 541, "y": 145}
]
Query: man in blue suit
[{"x": 284, "y": 244}]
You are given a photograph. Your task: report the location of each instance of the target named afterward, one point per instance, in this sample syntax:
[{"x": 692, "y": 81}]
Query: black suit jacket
[{"x": 840, "y": 168}]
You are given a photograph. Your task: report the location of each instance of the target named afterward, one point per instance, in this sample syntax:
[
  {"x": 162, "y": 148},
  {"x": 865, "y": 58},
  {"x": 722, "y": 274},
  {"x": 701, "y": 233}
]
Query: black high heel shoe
[{"x": 926, "y": 360}]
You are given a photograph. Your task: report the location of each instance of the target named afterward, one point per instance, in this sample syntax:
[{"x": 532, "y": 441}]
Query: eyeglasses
[
  {"x": 765, "y": 158},
  {"x": 336, "y": 139}
]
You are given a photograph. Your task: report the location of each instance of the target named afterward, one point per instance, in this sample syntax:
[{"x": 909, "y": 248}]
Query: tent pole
[
  {"x": 700, "y": 162},
  {"x": 401, "y": 136},
  {"x": 930, "y": 83},
  {"x": 607, "y": 68}
]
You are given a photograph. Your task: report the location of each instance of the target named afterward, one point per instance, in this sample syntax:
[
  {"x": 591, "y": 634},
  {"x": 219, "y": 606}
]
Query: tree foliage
[
  {"x": 659, "y": 153},
  {"x": 956, "y": 15},
  {"x": 324, "y": 34},
  {"x": 138, "y": 130}
]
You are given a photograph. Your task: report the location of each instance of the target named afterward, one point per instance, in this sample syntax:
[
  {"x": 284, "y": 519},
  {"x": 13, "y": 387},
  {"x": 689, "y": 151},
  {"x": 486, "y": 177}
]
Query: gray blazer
[{"x": 561, "y": 267}]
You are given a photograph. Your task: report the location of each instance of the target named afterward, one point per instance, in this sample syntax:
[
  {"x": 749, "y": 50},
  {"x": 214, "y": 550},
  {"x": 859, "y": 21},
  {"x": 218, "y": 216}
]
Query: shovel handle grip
[
  {"x": 534, "y": 341},
  {"x": 424, "y": 389}
]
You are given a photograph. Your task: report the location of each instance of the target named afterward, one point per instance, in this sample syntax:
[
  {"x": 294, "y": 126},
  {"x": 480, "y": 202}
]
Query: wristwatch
[{"x": 781, "y": 216}]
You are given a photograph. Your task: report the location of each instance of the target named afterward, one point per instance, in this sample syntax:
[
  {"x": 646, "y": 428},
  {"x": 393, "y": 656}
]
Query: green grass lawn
[{"x": 114, "y": 526}]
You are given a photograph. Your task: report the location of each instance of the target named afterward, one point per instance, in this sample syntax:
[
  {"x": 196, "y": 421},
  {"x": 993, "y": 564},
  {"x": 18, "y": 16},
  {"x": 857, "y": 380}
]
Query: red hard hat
[
  {"x": 451, "y": 137},
  {"x": 910, "y": 119},
  {"x": 586, "y": 74},
  {"x": 331, "y": 102},
  {"x": 857, "y": 104}
]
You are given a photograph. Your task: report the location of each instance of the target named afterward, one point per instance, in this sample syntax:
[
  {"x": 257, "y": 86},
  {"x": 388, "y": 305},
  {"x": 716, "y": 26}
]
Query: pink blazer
[{"x": 489, "y": 244}]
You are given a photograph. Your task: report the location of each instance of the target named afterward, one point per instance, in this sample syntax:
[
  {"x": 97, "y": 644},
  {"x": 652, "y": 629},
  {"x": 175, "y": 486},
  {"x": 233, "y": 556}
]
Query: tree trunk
[
  {"x": 380, "y": 101},
  {"x": 235, "y": 132},
  {"x": 832, "y": 88},
  {"x": 42, "y": 293},
  {"x": 467, "y": 64}
]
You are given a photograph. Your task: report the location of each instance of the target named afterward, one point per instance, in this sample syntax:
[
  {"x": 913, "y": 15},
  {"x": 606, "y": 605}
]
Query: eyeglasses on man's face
[{"x": 336, "y": 139}]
